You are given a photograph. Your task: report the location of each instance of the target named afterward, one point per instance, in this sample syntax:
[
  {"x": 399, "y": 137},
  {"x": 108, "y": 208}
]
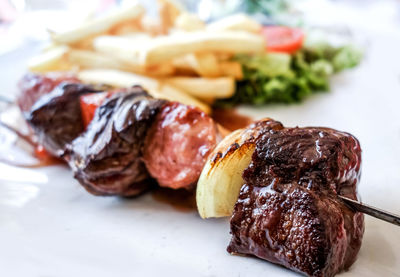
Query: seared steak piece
[
  {"x": 178, "y": 144},
  {"x": 288, "y": 211},
  {"x": 33, "y": 86},
  {"x": 107, "y": 158},
  {"x": 56, "y": 116}
]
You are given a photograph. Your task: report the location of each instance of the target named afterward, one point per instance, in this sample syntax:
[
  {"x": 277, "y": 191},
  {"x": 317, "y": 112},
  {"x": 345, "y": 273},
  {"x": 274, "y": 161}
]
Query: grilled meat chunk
[
  {"x": 106, "y": 158},
  {"x": 178, "y": 144},
  {"x": 288, "y": 211},
  {"x": 56, "y": 116},
  {"x": 33, "y": 86}
]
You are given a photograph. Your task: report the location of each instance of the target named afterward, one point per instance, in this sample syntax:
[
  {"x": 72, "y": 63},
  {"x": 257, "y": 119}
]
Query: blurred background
[{"x": 23, "y": 21}]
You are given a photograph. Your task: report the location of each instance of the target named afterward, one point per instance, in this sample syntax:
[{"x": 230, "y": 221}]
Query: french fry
[
  {"x": 159, "y": 70},
  {"x": 122, "y": 48},
  {"x": 172, "y": 93},
  {"x": 204, "y": 88},
  {"x": 151, "y": 26},
  {"x": 127, "y": 27},
  {"x": 224, "y": 56},
  {"x": 236, "y": 22},
  {"x": 54, "y": 59},
  {"x": 84, "y": 44},
  {"x": 89, "y": 59},
  {"x": 183, "y": 65},
  {"x": 162, "y": 49},
  {"x": 168, "y": 10},
  {"x": 205, "y": 64},
  {"x": 117, "y": 78},
  {"x": 189, "y": 22},
  {"x": 155, "y": 87},
  {"x": 231, "y": 68},
  {"x": 99, "y": 25}
]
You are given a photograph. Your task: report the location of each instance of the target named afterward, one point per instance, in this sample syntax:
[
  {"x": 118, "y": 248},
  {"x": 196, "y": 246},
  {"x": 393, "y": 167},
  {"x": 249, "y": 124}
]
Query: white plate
[{"x": 50, "y": 226}]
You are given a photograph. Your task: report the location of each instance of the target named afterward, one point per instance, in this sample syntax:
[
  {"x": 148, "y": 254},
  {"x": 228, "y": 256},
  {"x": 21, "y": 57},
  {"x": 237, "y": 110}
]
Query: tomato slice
[
  {"x": 283, "y": 39},
  {"x": 89, "y": 103}
]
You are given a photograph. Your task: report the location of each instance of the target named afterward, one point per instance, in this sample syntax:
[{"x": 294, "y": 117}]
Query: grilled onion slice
[{"x": 221, "y": 179}]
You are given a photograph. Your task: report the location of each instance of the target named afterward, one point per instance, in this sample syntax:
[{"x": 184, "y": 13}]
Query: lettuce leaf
[
  {"x": 284, "y": 78},
  {"x": 273, "y": 64}
]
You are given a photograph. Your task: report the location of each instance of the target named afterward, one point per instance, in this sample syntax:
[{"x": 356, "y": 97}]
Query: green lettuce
[{"x": 284, "y": 78}]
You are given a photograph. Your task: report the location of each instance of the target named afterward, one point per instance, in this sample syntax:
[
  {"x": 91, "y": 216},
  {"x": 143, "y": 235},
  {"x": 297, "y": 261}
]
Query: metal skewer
[
  {"x": 5, "y": 100},
  {"x": 372, "y": 211}
]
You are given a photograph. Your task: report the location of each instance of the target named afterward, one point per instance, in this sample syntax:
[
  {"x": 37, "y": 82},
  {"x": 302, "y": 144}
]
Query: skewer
[
  {"x": 22, "y": 136},
  {"x": 6, "y": 100},
  {"x": 372, "y": 211}
]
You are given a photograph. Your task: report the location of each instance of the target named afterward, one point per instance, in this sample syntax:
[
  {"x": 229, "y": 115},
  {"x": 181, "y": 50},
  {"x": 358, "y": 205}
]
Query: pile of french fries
[{"x": 176, "y": 57}]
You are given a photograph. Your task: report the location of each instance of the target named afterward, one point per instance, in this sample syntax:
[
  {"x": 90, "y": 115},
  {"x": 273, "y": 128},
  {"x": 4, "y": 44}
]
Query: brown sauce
[
  {"x": 181, "y": 200},
  {"x": 230, "y": 119}
]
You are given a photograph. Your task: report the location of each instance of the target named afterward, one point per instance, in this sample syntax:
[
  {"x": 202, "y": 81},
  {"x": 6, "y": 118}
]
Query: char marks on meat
[
  {"x": 178, "y": 144},
  {"x": 288, "y": 211},
  {"x": 106, "y": 158},
  {"x": 33, "y": 86},
  {"x": 56, "y": 116}
]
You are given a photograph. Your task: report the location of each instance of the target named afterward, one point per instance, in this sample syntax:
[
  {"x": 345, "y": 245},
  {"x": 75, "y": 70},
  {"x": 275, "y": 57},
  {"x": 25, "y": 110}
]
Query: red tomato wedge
[
  {"x": 89, "y": 104},
  {"x": 283, "y": 39}
]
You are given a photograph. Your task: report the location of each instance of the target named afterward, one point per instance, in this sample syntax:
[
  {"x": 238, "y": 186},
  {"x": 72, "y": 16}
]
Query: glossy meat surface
[
  {"x": 106, "y": 158},
  {"x": 178, "y": 144},
  {"x": 33, "y": 86},
  {"x": 288, "y": 211},
  {"x": 56, "y": 116}
]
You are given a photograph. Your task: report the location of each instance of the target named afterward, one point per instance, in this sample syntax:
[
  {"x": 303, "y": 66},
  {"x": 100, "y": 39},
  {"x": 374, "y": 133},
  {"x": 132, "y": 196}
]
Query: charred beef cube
[
  {"x": 33, "y": 86},
  {"x": 107, "y": 158},
  {"x": 56, "y": 116},
  {"x": 288, "y": 211}
]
